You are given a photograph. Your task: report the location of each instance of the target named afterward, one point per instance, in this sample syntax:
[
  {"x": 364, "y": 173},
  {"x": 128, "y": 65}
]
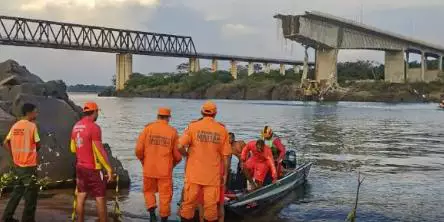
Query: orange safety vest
[{"x": 23, "y": 138}]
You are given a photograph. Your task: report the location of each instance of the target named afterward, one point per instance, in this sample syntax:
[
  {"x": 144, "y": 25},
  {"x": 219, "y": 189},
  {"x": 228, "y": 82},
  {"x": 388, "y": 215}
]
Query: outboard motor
[{"x": 290, "y": 161}]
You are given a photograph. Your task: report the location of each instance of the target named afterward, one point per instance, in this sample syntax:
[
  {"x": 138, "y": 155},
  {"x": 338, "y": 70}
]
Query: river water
[{"x": 398, "y": 148}]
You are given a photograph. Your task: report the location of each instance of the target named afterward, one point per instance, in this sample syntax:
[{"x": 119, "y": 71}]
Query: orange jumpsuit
[
  {"x": 157, "y": 150},
  {"x": 208, "y": 144},
  {"x": 260, "y": 162}
]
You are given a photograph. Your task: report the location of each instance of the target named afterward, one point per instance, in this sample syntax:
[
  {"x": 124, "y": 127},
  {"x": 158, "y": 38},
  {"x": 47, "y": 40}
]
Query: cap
[
  {"x": 164, "y": 111},
  {"x": 90, "y": 106},
  {"x": 209, "y": 108}
]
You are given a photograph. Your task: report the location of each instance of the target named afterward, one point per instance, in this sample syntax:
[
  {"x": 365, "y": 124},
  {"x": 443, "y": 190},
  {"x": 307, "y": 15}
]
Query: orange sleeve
[
  {"x": 185, "y": 139},
  {"x": 177, "y": 157},
  {"x": 245, "y": 152},
  {"x": 140, "y": 146},
  {"x": 270, "y": 162}
]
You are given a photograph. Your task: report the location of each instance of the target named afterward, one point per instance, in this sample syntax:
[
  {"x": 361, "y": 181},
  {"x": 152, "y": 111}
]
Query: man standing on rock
[
  {"x": 157, "y": 151},
  {"x": 209, "y": 147},
  {"x": 91, "y": 158},
  {"x": 22, "y": 142}
]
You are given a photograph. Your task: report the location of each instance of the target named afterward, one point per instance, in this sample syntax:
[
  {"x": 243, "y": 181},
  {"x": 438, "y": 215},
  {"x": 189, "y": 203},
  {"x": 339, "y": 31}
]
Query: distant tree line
[
  {"x": 86, "y": 88},
  {"x": 181, "y": 79}
]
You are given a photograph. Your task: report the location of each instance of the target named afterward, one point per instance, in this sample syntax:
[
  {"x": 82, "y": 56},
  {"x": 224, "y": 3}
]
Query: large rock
[
  {"x": 57, "y": 115},
  {"x": 16, "y": 73}
]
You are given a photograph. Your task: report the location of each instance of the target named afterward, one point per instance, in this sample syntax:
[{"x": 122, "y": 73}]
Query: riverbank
[{"x": 289, "y": 90}]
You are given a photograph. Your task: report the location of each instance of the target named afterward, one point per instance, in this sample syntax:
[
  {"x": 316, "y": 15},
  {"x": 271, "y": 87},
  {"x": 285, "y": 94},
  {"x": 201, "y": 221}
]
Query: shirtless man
[{"x": 237, "y": 147}]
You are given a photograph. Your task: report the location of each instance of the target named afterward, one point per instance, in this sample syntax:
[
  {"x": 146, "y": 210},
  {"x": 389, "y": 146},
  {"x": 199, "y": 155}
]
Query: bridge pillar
[
  {"x": 233, "y": 69},
  {"x": 250, "y": 68},
  {"x": 394, "y": 67},
  {"x": 282, "y": 69},
  {"x": 296, "y": 69},
  {"x": 267, "y": 68},
  {"x": 214, "y": 65},
  {"x": 124, "y": 69},
  {"x": 440, "y": 63},
  {"x": 326, "y": 65},
  {"x": 194, "y": 65},
  {"x": 423, "y": 65}
]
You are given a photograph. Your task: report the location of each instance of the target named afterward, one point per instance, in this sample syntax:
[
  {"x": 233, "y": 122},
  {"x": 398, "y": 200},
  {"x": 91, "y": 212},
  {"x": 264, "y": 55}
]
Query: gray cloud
[{"x": 228, "y": 27}]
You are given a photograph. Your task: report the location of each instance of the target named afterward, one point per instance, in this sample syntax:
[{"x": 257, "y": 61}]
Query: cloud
[
  {"x": 233, "y": 30},
  {"x": 38, "y": 5}
]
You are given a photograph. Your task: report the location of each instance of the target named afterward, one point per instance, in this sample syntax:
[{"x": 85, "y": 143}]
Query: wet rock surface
[{"x": 57, "y": 116}]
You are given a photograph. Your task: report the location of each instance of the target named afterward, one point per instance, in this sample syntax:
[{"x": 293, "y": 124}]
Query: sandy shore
[{"x": 56, "y": 205}]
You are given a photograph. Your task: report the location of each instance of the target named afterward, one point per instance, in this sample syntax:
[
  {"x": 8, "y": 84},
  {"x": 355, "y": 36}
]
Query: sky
[{"x": 238, "y": 27}]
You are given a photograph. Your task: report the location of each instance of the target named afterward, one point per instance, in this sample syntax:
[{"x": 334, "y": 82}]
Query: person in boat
[
  {"x": 208, "y": 146},
  {"x": 156, "y": 149},
  {"x": 277, "y": 148},
  {"x": 241, "y": 176},
  {"x": 260, "y": 162}
]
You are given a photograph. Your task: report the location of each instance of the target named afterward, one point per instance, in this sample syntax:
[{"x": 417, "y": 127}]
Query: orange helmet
[
  {"x": 164, "y": 111},
  {"x": 209, "y": 108},
  {"x": 90, "y": 106},
  {"x": 267, "y": 132}
]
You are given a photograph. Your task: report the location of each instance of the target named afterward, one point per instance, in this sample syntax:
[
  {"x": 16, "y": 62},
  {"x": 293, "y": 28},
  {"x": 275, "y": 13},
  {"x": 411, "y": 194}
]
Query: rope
[
  {"x": 74, "y": 206},
  {"x": 117, "y": 212}
]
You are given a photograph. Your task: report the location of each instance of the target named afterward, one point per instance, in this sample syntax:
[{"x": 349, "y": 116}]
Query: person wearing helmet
[
  {"x": 91, "y": 158},
  {"x": 157, "y": 151},
  {"x": 208, "y": 147},
  {"x": 277, "y": 148}
]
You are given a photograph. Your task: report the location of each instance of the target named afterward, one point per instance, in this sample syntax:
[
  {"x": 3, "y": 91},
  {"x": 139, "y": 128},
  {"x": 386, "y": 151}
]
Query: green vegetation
[
  {"x": 359, "y": 81},
  {"x": 86, "y": 88}
]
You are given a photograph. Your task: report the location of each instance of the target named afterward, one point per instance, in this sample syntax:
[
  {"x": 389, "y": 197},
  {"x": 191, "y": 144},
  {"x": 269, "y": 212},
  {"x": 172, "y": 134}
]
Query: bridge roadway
[
  {"x": 328, "y": 34},
  {"x": 17, "y": 31}
]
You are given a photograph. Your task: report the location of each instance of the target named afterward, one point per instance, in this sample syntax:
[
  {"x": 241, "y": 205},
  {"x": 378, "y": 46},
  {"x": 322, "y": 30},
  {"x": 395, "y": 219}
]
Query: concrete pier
[
  {"x": 282, "y": 69},
  {"x": 423, "y": 65},
  {"x": 267, "y": 68},
  {"x": 440, "y": 63},
  {"x": 233, "y": 69},
  {"x": 296, "y": 69},
  {"x": 250, "y": 68},
  {"x": 124, "y": 68},
  {"x": 194, "y": 65},
  {"x": 214, "y": 65},
  {"x": 394, "y": 67},
  {"x": 326, "y": 64}
]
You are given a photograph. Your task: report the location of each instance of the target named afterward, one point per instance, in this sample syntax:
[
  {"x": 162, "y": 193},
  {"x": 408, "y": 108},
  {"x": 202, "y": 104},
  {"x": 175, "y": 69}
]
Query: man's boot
[{"x": 152, "y": 214}]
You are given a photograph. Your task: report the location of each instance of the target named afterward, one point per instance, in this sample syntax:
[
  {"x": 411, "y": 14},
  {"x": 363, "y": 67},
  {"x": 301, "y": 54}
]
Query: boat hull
[{"x": 256, "y": 200}]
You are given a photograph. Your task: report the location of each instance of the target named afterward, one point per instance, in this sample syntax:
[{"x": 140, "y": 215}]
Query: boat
[{"x": 241, "y": 202}]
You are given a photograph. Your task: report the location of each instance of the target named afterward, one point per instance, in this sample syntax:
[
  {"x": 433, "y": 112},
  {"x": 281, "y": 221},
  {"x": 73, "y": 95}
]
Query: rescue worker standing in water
[
  {"x": 277, "y": 148},
  {"x": 209, "y": 146},
  {"x": 157, "y": 151},
  {"x": 91, "y": 158},
  {"x": 22, "y": 142}
]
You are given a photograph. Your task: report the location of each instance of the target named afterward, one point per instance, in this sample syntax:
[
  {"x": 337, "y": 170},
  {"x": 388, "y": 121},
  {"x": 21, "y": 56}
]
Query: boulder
[
  {"x": 15, "y": 74},
  {"x": 57, "y": 114}
]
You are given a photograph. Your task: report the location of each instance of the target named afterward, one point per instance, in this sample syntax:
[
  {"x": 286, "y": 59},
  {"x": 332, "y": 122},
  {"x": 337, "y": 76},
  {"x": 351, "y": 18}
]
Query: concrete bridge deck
[{"x": 328, "y": 34}]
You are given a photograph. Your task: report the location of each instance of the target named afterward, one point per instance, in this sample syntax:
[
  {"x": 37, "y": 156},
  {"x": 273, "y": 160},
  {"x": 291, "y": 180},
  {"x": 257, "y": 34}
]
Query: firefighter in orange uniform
[
  {"x": 208, "y": 146},
  {"x": 22, "y": 142},
  {"x": 157, "y": 151}
]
